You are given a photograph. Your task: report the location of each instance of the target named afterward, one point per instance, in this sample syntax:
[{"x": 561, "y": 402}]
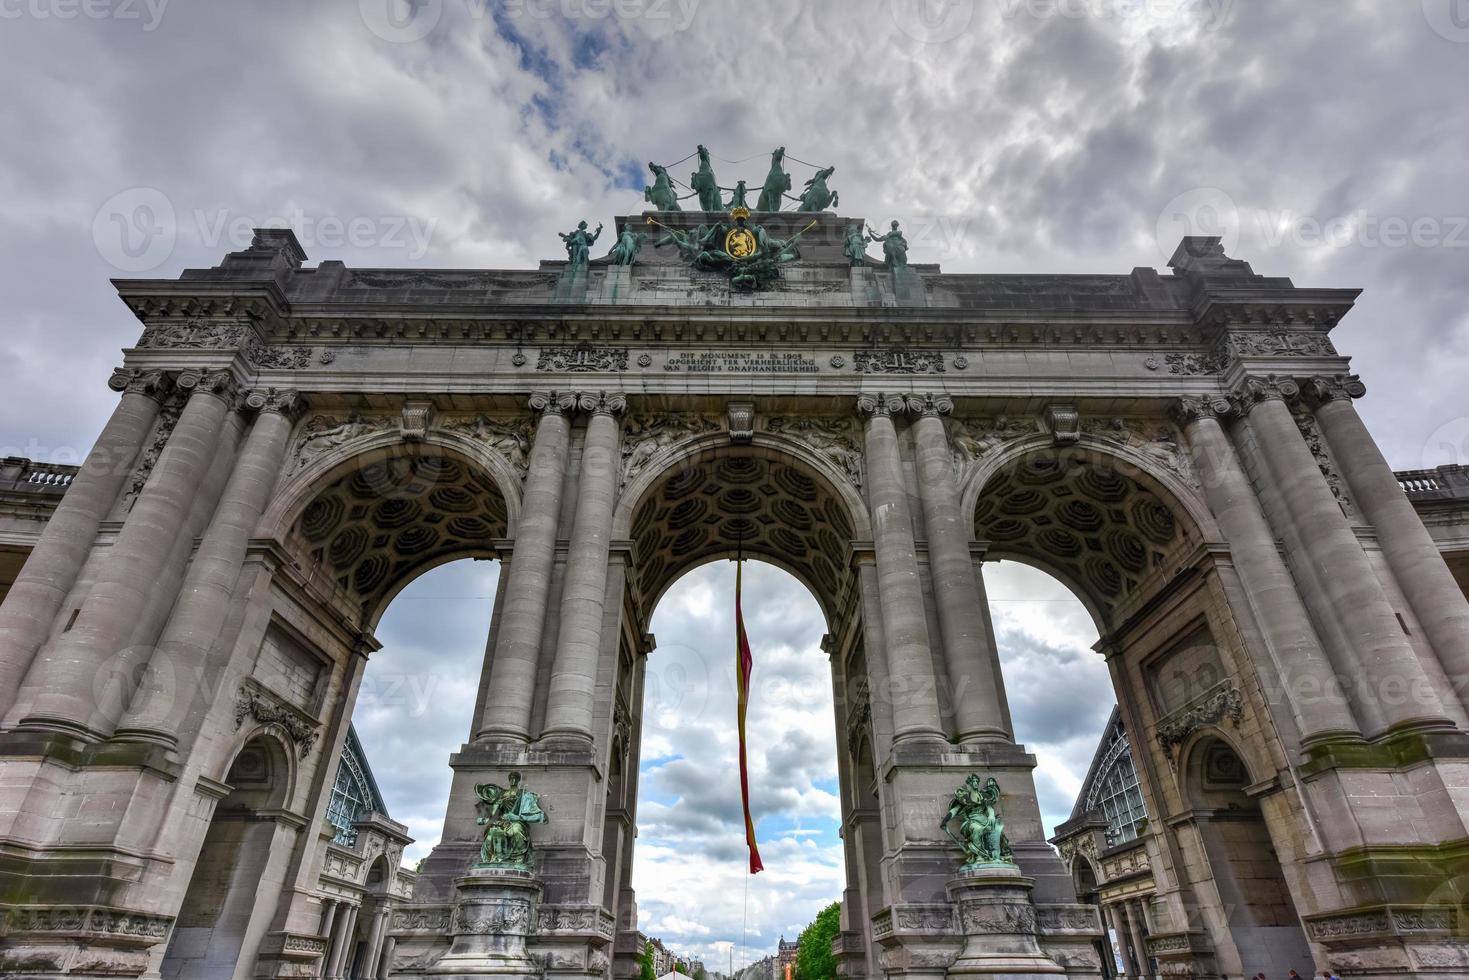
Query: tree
[
  {"x": 700, "y": 973},
  {"x": 646, "y": 971},
  {"x": 814, "y": 960}
]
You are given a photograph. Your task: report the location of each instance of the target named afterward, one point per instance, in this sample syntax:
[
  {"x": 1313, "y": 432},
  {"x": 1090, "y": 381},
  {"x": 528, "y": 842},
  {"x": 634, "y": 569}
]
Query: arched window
[
  {"x": 354, "y": 794},
  {"x": 1115, "y": 791}
]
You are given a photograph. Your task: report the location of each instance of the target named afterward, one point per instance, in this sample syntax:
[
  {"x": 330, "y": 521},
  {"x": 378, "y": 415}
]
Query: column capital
[
  {"x": 134, "y": 381},
  {"x": 286, "y": 402},
  {"x": 553, "y": 402},
  {"x": 222, "y": 384},
  {"x": 1337, "y": 387},
  {"x": 611, "y": 403},
  {"x": 1190, "y": 409},
  {"x": 1253, "y": 390},
  {"x": 879, "y": 405},
  {"x": 929, "y": 405}
]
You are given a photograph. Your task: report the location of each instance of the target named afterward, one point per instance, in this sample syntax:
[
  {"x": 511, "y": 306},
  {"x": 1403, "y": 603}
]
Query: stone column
[
  {"x": 181, "y": 667},
  {"x": 373, "y": 948},
  {"x": 1115, "y": 918},
  {"x": 328, "y": 920},
  {"x": 913, "y": 688},
  {"x": 517, "y": 650},
  {"x": 571, "y": 698},
  {"x": 1139, "y": 949},
  {"x": 980, "y": 709},
  {"x": 66, "y": 674},
  {"x": 1426, "y": 581},
  {"x": 1387, "y": 668},
  {"x": 52, "y": 567},
  {"x": 346, "y": 919},
  {"x": 385, "y": 962},
  {"x": 1313, "y": 693}
]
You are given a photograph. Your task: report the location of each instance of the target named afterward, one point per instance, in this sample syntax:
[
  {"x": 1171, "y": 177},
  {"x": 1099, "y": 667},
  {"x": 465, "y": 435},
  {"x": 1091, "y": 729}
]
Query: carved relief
[
  {"x": 1306, "y": 423},
  {"x": 1193, "y": 364},
  {"x": 324, "y": 433},
  {"x": 168, "y": 418},
  {"x": 972, "y": 439},
  {"x": 252, "y": 701},
  {"x": 582, "y": 357},
  {"x": 988, "y": 918},
  {"x": 506, "y": 917},
  {"x": 196, "y": 335},
  {"x": 510, "y": 437},
  {"x": 1223, "y": 702},
  {"x": 835, "y": 439},
  {"x": 646, "y": 436},
  {"x": 1158, "y": 441},
  {"x": 898, "y": 360},
  {"x": 1279, "y": 343},
  {"x": 279, "y": 358}
]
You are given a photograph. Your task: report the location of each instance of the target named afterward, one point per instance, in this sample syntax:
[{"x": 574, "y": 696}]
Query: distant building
[{"x": 786, "y": 956}]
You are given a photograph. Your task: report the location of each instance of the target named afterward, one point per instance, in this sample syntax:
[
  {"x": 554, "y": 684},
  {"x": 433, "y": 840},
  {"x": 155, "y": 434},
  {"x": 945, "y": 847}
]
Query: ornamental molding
[
  {"x": 583, "y": 357},
  {"x": 505, "y": 917},
  {"x": 998, "y": 919},
  {"x": 74, "y": 921},
  {"x": 198, "y": 334},
  {"x": 834, "y": 439},
  {"x": 648, "y": 436},
  {"x": 1221, "y": 702},
  {"x": 581, "y": 920},
  {"x": 279, "y": 358},
  {"x": 970, "y": 440},
  {"x": 859, "y": 716},
  {"x": 898, "y": 360},
  {"x": 156, "y": 385},
  {"x": 1385, "y": 921},
  {"x": 432, "y": 280},
  {"x": 1154, "y": 440},
  {"x": 324, "y": 433},
  {"x": 1278, "y": 343},
  {"x": 163, "y": 426},
  {"x": 1338, "y": 387},
  {"x": 510, "y": 436},
  {"x": 1316, "y": 442},
  {"x": 431, "y": 919},
  {"x": 286, "y": 402},
  {"x": 1067, "y": 919},
  {"x": 253, "y": 700},
  {"x": 220, "y": 383},
  {"x": 1191, "y": 409}
]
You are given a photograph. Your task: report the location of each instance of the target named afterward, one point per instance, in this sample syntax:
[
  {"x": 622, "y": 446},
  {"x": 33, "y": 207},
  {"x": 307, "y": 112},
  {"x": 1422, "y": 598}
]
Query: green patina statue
[
  {"x": 816, "y": 197},
  {"x": 661, "y": 195},
  {"x": 625, "y": 252},
  {"x": 854, "y": 247},
  {"x": 506, "y": 813},
  {"x": 704, "y": 184},
  {"x": 981, "y": 833},
  {"x": 777, "y": 182},
  {"x": 737, "y": 198},
  {"x": 579, "y": 244},
  {"x": 894, "y": 247}
]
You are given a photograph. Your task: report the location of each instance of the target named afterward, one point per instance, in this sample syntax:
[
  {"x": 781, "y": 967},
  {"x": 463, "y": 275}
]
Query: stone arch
[
  {"x": 369, "y": 517},
  {"x": 772, "y": 499},
  {"x": 1100, "y": 518}
]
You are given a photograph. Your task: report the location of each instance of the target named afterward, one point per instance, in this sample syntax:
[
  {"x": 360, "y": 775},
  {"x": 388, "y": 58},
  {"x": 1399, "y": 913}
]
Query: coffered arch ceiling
[
  {"x": 750, "y": 500},
  {"x": 1081, "y": 516},
  {"x": 393, "y": 517}
]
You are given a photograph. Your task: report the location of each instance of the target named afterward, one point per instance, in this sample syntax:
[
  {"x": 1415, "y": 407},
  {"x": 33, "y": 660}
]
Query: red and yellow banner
[{"x": 743, "y": 664}]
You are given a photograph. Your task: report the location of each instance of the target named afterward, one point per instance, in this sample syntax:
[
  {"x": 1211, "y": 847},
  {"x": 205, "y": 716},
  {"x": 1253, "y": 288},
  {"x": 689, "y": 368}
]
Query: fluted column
[
  {"x": 52, "y": 567},
  {"x": 374, "y": 940},
  {"x": 1426, "y": 581},
  {"x": 523, "y": 617},
  {"x": 1314, "y": 694},
  {"x": 63, "y": 679},
  {"x": 1387, "y": 670},
  {"x": 980, "y": 708},
  {"x": 181, "y": 676},
  {"x": 583, "y": 596},
  {"x": 913, "y": 688},
  {"x": 328, "y": 921}
]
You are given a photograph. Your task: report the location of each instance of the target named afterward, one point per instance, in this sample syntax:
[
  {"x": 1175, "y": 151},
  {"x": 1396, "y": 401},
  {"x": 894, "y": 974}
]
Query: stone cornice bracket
[
  {"x": 1322, "y": 388},
  {"x": 552, "y": 402},
  {"x": 133, "y": 381},
  {"x": 1191, "y": 409},
  {"x": 929, "y": 404},
  {"x": 1253, "y": 390},
  {"x": 1064, "y": 423},
  {"x": 218, "y": 383},
  {"x": 881, "y": 406},
  {"x": 283, "y": 401},
  {"x": 415, "y": 419},
  {"x": 612, "y": 403}
]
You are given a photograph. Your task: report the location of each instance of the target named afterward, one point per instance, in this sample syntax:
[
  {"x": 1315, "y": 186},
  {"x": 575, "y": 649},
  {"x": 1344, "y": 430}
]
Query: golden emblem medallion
[{"x": 739, "y": 243}]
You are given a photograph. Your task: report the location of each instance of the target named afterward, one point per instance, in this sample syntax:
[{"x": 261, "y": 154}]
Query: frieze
[
  {"x": 510, "y": 437},
  {"x": 647, "y": 436},
  {"x": 582, "y": 358},
  {"x": 196, "y": 334},
  {"x": 741, "y": 362},
  {"x": 1223, "y": 702},
  {"x": 898, "y": 360},
  {"x": 988, "y": 918},
  {"x": 1195, "y": 364},
  {"x": 1382, "y": 922},
  {"x": 324, "y": 433},
  {"x": 1279, "y": 343},
  {"x": 279, "y": 358},
  {"x": 309, "y": 945},
  {"x": 972, "y": 439},
  {"x": 253, "y": 701},
  {"x": 506, "y": 917},
  {"x": 434, "y": 920},
  {"x": 89, "y": 920},
  {"x": 435, "y": 280},
  {"x": 834, "y": 439},
  {"x": 1067, "y": 918},
  {"x": 1157, "y": 441}
]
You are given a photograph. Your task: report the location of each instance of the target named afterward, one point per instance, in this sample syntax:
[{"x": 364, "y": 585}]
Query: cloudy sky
[{"x": 1325, "y": 142}]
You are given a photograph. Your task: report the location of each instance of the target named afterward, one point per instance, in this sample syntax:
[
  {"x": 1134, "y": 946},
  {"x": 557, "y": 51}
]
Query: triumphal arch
[{"x": 180, "y": 651}]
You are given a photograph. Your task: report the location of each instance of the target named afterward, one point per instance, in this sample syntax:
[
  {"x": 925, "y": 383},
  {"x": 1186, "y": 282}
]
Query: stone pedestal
[
  {"x": 998, "y": 923},
  {"x": 493, "y": 915}
]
